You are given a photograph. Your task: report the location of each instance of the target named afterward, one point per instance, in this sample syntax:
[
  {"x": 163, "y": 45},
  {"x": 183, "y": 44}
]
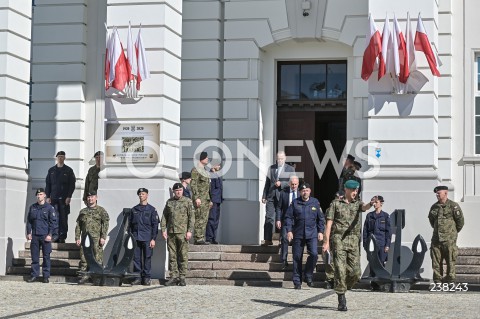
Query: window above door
[{"x": 311, "y": 82}]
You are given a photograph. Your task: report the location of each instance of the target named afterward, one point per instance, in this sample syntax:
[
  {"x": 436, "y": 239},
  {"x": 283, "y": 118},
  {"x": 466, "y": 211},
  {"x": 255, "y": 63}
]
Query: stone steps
[{"x": 250, "y": 265}]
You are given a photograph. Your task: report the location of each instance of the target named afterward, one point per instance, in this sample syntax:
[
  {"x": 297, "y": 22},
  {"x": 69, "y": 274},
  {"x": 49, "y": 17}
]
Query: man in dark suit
[
  {"x": 277, "y": 179},
  {"x": 287, "y": 195},
  {"x": 305, "y": 225}
]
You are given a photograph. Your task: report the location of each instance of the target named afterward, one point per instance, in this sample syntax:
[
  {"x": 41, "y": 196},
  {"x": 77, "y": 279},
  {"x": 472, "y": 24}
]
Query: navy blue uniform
[
  {"x": 60, "y": 184},
  {"x": 144, "y": 228},
  {"x": 280, "y": 215},
  {"x": 379, "y": 225},
  {"x": 305, "y": 219},
  {"x": 216, "y": 197},
  {"x": 41, "y": 222},
  {"x": 186, "y": 192}
]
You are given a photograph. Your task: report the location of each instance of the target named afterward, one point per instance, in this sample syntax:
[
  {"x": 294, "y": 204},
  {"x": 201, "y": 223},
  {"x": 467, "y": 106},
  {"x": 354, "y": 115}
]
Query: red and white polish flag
[
  {"x": 382, "y": 68},
  {"x": 143, "y": 72},
  {"x": 402, "y": 52},
  {"x": 131, "y": 55},
  {"x": 422, "y": 43},
  {"x": 373, "y": 49},
  {"x": 118, "y": 64},
  {"x": 108, "y": 51},
  {"x": 410, "y": 46}
]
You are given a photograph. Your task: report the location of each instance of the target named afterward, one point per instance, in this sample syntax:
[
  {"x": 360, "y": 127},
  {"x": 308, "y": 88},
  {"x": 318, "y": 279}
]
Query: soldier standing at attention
[
  {"x": 344, "y": 226},
  {"x": 42, "y": 228},
  {"x": 447, "y": 221},
  {"x": 144, "y": 228},
  {"x": 305, "y": 225},
  {"x": 60, "y": 184},
  {"x": 201, "y": 199},
  {"x": 94, "y": 220},
  {"x": 91, "y": 180},
  {"x": 378, "y": 224},
  {"x": 177, "y": 224}
]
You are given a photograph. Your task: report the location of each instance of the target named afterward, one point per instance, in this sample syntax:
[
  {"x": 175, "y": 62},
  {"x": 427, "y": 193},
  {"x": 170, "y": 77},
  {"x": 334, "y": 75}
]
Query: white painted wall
[{"x": 15, "y": 44}]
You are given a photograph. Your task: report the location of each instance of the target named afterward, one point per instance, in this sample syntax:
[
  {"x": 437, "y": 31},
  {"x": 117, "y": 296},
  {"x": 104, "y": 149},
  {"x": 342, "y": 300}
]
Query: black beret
[
  {"x": 92, "y": 193},
  {"x": 185, "y": 175},
  {"x": 98, "y": 153},
  {"x": 351, "y": 157},
  {"x": 304, "y": 185},
  {"x": 357, "y": 164},
  {"x": 380, "y": 198},
  {"x": 60, "y": 153},
  {"x": 141, "y": 189},
  {"x": 40, "y": 190},
  {"x": 440, "y": 188},
  {"x": 177, "y": 186},
  {"x": 203, "y": 155}
]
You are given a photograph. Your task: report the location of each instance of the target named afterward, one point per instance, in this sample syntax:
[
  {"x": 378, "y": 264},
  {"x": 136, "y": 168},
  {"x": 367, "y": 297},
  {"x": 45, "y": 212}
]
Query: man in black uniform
[
  {"x": 60, "y": 184},
  {"x": 42, "y": 228},
  {"x": 144, "y": 227}
]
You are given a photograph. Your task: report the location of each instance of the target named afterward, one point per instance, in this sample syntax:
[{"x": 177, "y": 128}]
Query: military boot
[
  {"x": 172, "y": 282},
  {"x": 342, "y": 302},
  {"x": 182, "y": 282}
]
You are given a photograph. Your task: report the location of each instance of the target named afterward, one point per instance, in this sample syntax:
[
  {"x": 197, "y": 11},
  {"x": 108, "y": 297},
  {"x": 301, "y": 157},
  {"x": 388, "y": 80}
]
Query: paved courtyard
[{"x": 62, "y": 300}]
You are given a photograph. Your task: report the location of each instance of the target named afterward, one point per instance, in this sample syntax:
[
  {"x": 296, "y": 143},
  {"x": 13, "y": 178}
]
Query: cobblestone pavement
[{"x": 61, "y": 300}]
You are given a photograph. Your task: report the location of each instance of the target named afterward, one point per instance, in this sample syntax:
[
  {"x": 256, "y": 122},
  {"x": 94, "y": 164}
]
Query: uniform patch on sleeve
[
  {"x": 313, "y": 208},
  {"x": 457, "y": 212}
]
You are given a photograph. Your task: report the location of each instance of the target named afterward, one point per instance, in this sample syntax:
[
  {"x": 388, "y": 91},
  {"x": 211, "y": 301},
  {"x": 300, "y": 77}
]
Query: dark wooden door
[{"x": 298, "y": 126}]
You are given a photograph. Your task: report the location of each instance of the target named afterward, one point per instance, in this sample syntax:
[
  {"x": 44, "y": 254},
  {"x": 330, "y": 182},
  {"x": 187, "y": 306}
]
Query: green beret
[{"x": 352, "y": 184}]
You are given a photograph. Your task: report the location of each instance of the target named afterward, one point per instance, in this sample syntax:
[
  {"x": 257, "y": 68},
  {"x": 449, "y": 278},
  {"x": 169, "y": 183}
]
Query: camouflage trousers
[
  {"x": 346, "y": 260},
  {"x": 439, "y": 252},
  {"x": 177, "y": 255},
  {"x": 201, "y": 219},
  {"x": 97, "y": 252}
]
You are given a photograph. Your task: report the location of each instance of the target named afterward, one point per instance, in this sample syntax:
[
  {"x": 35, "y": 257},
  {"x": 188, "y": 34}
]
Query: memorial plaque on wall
[{"x": 132, "y": 142}]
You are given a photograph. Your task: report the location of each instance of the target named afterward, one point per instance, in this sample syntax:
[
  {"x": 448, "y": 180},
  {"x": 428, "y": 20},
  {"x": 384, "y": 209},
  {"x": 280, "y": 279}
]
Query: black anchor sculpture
[
  {"x": 114, "y": 273},
  {"x": 396, "y": 281}
]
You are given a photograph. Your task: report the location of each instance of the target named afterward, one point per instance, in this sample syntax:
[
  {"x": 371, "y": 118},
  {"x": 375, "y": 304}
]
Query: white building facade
[{"x": 241, "y": 79}]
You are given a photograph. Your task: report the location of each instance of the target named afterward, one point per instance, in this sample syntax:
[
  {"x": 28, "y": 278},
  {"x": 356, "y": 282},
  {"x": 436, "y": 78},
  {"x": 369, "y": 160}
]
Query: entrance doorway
[
  {"x": 320, "y": 127},
  {"x": 312, "y": 106}
]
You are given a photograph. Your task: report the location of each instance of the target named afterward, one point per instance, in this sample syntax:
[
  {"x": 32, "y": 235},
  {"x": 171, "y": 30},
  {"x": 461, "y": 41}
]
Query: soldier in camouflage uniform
[
  {"x": 200, "y": 185},
  {"x": 176, "y": 226},
  {"x": 329, "y": 268},
  {"x": 91, "y": 180},
  {"x": 344, "y": 229},
  {"x": 446, "y": 218},
  {"x": 94, "y": 220}
]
